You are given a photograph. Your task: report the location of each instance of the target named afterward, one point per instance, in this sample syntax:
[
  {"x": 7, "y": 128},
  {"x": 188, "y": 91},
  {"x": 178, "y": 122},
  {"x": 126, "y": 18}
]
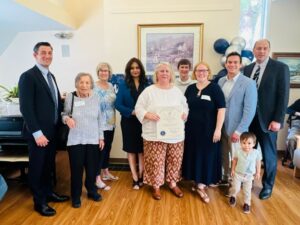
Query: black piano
[
  {"x": 11, "y": 132},
  {"x": 13, "y": 147}
]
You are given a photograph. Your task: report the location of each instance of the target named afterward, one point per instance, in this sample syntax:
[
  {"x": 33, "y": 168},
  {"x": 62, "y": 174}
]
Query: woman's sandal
[
  {"x": 141, "y": 182},
  {"x": 176, "y": 191},
  {"x": 103, "y": 186},
  {"x": 202, "y": 194},
  {"x": 110, "y": 177},
  {"x": 135, "y": 185}
]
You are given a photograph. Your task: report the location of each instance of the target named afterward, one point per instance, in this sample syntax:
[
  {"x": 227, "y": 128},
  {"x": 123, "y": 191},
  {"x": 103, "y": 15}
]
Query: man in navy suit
[
  {"x": 273, "y": 80},
  {"x": 241, "y": 98},
  {"x": 40, "y": 105}
]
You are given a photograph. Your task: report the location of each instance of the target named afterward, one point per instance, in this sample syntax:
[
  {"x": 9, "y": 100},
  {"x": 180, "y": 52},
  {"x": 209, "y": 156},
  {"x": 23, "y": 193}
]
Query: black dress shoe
[
  {"x": 95, "y": 196},
  {"x": 44, "y": 210},
  {"x": 265, "y": 193},
  {"x": 76, "y": 203},
  {"x": 54, "y": 197}
]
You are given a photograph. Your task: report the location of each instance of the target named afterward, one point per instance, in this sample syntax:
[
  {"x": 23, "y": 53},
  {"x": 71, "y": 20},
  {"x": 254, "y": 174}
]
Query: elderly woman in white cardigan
[{"x": 163, "y": 156}]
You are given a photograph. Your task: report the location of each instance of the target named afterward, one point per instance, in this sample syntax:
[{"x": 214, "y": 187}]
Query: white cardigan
[{"x": 153, "y": 97}]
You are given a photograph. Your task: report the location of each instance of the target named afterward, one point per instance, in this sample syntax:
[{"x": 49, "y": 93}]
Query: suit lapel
[
  {"x": 266, "y": 73},
  {"x": 43, "y": 82},
  {"x": 235, "y": 87},
  {"x": 249, "y": 72}
]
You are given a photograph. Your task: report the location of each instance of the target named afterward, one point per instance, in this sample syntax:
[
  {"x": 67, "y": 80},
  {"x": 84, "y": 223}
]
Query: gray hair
[
  {"x": 101, "y": 65},
  {"x": 172, "y": 79},
  {"x": 83, "y": 74}
]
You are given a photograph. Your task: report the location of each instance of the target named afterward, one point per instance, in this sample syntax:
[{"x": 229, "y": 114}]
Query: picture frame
[
  {"x": 292, "y": 59},
  {"x": 169, "y": 43}
]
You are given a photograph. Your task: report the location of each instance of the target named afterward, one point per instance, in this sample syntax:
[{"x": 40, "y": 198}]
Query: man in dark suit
[
  {"x": 40, "y": 105},
  {"x": 273, "y": 80}
]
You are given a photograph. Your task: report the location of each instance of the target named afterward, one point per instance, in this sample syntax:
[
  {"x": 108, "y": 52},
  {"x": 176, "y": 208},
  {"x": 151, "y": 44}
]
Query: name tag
[
  {"x": 206, "y": 97},
  {"x": 79, "y": 103}
]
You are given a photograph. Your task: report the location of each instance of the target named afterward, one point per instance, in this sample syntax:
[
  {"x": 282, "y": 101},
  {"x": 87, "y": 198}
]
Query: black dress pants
[
  {"x": 83, "y": 157},
  {"x": 40, "y": 170},
  {"x": 267, "y": 141},
  {"x": 104, "y": 154}
]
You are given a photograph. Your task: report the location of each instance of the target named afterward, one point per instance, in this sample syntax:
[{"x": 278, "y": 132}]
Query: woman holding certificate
[
  {"x": 129, "y": 91},
  {"x": 202, "y": 154},
  {"x": 162, "y": 110}
]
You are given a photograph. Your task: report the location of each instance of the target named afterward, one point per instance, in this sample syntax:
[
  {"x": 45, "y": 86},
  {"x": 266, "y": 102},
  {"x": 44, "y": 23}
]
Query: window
[{"x": 253, "y": 20}]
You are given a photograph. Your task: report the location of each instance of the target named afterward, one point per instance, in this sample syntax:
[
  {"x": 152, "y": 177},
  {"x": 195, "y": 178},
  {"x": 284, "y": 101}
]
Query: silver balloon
[
  {"x": 239, "y": 41},
  {"x": 233, "y": 48},
  {"x": 245, "y": 61},
  {"x": 223, "y": 60}
]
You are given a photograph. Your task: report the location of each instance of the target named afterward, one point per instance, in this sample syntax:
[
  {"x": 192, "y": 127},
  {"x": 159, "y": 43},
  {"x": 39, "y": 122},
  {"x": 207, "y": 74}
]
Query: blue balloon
[
  {"x": 248, "y": 54},
  {"x": 221, "y": 45}
]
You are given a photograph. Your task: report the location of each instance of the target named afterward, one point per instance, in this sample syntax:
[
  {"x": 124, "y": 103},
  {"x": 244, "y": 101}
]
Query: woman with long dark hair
[{"x": 129, "y": 91}]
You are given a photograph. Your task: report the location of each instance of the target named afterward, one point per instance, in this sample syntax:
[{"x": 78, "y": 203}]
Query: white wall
[
  {"x": 284, "y": 34},
  {"x": 111, "y": 35}
]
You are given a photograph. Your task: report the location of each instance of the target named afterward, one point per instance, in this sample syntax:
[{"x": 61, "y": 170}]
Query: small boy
[{"x": 246, "y": 163}]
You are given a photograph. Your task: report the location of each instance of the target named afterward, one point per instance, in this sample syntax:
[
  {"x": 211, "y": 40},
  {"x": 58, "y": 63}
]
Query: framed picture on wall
[
  {"x": 169, "y": 43},
  {"x": 292, "y": 59}
]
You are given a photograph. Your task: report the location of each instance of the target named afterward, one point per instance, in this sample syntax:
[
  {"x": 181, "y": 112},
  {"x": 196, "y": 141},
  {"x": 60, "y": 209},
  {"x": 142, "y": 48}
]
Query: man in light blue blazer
[{"x": 241, "y": 99}]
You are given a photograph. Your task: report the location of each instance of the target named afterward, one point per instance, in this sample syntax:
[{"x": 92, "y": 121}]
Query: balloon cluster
[{"x": 237, "y": 44}]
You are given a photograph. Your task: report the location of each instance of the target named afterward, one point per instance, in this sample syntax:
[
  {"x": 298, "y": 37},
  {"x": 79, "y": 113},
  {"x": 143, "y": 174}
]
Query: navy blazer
[
  {"x": 124, "y": 102},
  {"x": 273, "y": 92},
  {"x": 37, "y": 105}
]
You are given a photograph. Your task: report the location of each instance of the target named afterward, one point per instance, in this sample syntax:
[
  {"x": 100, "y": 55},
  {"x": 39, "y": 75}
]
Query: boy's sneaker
[
  {"x": 223, "y": 183},
  {"x": 232, "y": 201},
  {"x": 246, "y": 208}
]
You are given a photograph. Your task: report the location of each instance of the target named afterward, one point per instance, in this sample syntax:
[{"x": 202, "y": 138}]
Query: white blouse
[{"x": 152, "y": 98}]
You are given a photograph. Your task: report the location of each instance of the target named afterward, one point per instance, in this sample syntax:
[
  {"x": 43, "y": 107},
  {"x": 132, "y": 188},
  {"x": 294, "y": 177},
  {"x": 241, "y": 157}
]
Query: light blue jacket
[{"x": 240, "y": 105}]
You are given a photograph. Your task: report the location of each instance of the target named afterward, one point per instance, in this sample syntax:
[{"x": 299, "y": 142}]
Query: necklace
[{"x": 201, "y": 88}]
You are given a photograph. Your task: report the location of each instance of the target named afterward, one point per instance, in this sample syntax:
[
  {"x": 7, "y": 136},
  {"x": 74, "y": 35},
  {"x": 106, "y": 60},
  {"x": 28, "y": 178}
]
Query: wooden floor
[{"x": 122, "y": 205}]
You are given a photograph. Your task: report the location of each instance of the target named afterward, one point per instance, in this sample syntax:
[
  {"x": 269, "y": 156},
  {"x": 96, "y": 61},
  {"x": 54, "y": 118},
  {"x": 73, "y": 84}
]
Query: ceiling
[{"x": 16, "y": 16}]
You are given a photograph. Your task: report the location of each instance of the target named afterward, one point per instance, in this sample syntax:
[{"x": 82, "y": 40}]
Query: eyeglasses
[{"x": 201, "y": 71}]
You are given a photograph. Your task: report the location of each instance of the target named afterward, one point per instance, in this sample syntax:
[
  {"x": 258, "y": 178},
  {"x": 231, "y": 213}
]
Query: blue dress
[{"x": 202, "y": 158}]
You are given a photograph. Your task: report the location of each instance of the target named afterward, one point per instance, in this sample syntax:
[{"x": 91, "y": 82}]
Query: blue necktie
[{"x": 52, "y": 90}]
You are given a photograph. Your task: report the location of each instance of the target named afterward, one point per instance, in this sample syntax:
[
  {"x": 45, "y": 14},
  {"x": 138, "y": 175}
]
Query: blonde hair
[
  {"x": 101, "y": 65},
  {"x": 172, "y": 79},
  {"x": 208, "y": 70}
]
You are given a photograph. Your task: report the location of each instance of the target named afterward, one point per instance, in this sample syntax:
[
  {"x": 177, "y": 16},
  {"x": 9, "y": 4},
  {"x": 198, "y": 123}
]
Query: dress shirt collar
[
  {"x": 263, "y": 64},
  {"x": 43, "y": 69},
  {"x": 234, "y": 79}
]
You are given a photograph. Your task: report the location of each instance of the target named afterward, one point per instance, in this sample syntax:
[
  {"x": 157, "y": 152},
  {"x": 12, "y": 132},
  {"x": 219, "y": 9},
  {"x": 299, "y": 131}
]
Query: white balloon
[
  {"x": 245, "y": 61},
  {"x": 223, "y": 60},
  {"x": 239, "y": 41},
  {"x": 233, "y": 48}
]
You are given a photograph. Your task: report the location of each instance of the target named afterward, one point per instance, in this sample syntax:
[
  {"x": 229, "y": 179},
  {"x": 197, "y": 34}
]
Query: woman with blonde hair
[
  {"x": 106, "y": 92},
  {"x": 202, "y": 153},
  {"x": 162, "y": 153}
]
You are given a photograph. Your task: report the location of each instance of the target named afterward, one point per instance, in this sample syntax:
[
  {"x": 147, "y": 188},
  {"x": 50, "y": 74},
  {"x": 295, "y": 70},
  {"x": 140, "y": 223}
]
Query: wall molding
[{"x": 172, "y": 9}]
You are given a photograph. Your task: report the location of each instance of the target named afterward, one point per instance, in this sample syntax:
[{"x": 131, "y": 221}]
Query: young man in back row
[{"x": 184, "y": 79}]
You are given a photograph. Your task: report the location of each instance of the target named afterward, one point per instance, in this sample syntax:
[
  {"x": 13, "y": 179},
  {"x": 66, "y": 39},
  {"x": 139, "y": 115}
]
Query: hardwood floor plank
[{"x": 124, "y": 206}]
